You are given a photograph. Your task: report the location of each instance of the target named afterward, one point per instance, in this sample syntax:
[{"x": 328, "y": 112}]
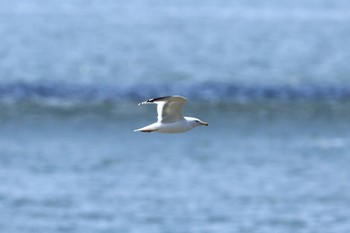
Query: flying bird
[{"x": 170, "y": 118}]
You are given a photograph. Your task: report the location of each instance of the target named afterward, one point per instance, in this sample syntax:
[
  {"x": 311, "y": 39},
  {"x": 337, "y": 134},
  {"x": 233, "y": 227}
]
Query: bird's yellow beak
[{"x": 204, "y": 123}]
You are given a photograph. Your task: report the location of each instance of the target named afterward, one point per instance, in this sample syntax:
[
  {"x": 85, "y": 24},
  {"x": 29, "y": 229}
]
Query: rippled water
[
  {"x": 256, "y": 168},
  {"x": 271, "y": 78}
]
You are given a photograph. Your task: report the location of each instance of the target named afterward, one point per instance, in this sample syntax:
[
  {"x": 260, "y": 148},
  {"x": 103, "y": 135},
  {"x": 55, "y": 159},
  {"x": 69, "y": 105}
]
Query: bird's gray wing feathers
[{"x": 169, "y": 108}]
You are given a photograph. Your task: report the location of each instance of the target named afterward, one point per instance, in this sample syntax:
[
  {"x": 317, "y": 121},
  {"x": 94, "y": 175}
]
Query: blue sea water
[{"x": 271, "y": 78}]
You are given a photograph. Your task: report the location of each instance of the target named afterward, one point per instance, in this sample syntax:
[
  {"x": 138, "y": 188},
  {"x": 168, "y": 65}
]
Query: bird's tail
[{"x": 146, "y": 129}]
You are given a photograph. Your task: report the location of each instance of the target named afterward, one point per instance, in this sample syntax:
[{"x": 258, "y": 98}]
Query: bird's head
[{"x": 196, "y": 122}]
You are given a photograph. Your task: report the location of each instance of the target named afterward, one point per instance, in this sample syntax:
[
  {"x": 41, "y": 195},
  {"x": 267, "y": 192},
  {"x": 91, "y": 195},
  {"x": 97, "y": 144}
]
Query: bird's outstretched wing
[{"x": 169, "y": 108}]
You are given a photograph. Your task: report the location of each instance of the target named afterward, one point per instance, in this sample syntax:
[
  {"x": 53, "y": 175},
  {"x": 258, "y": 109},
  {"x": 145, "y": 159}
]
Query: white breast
[{"x": 174, "y": 127}]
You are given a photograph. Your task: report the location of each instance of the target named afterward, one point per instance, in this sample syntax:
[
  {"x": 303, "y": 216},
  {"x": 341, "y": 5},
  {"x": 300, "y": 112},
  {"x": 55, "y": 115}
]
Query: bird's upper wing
[{"x": 169, "y": 108}]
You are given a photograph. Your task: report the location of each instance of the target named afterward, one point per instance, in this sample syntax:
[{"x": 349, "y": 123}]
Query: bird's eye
[{"x": 197, "y": 121}]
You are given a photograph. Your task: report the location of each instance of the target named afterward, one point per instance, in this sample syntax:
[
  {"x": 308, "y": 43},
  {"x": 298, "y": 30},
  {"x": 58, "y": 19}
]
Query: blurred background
[{"x": 271, "y": 78}]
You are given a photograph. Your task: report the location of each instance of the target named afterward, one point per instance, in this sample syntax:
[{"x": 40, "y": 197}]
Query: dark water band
[{"x": 205, "y": 92}]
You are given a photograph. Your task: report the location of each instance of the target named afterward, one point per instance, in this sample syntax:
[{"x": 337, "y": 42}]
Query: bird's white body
[
  {"x": 170, "y": 119},
  {"x": 174, "y": 127}
]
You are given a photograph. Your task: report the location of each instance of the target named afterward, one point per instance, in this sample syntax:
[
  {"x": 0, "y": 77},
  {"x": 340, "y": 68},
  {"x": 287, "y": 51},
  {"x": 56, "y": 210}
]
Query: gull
[{"x": 170, "y": 118}]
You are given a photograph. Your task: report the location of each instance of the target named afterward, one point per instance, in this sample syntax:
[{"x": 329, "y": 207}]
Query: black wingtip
[{"x": 158, "y": 98}]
